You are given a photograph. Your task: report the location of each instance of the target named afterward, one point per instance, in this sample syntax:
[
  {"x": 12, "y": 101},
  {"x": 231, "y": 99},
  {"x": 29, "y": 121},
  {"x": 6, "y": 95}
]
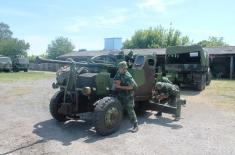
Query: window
[
  {"x": 139, "y": 61},
  {"x": 184, "y": 58},
  {"x": 4, "y": 59},
  {"x": 110, "y": 60}
]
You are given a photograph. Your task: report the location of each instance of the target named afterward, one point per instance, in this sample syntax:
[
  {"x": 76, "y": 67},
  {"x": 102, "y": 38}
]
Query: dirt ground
[{"x": 27, "y": 128}]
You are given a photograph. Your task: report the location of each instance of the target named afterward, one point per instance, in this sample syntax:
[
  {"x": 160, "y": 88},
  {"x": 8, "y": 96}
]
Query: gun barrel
[{"x": 40, "y": 60}]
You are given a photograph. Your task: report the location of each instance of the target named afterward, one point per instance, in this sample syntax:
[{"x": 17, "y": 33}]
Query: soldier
[
  {"x": 129, "y": 58},
  {"x": 172, "y": 93},
  {"x": 125, "y": 85}
]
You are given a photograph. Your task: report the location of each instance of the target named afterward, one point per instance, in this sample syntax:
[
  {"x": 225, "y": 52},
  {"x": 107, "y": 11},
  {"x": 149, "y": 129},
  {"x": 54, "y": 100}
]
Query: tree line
[
  {"x": 10, "y": 46},
  {"x": 158, "y": 37}
]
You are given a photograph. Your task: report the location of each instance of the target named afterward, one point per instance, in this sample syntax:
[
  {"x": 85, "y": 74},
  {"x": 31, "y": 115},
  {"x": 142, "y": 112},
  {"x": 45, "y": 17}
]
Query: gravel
[{"x": 27, "y": 127}]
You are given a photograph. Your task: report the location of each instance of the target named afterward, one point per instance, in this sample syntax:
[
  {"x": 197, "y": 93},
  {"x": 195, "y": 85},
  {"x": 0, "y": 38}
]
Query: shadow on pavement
[
  {"x": 189, "y": 91},
  {"x": 75, "y": 130}
]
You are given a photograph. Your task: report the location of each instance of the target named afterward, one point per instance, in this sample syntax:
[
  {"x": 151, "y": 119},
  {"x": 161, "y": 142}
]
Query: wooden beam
[{"x": 231, "y": 67}]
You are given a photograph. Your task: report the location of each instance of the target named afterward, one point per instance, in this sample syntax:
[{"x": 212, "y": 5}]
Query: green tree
[
  {"x": 5, "y": 32},
  {"x": 59, "y": 47},
  {"x": 156, "y": 38},
  {"x": 11, "y": 47},
  {"x": 213, "y": 42}
]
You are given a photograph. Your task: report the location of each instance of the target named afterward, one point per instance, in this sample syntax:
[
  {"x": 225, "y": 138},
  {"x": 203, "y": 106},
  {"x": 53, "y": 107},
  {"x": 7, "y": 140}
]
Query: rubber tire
[
  {"x": 199, "y": 86},
  {"x": 202, "y": 84},
  {"x": 54, "y": 106},
  {"x": 15, "y": 70},
  {"x": 102, "y": 106},
  {"x": 9, "y": 70},
  {"x": 208, "y": 78}
]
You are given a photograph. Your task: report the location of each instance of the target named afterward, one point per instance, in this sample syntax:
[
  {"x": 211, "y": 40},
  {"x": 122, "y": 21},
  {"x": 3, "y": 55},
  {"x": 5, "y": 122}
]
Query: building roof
[
  {"x": 162, "y": 51},
  {"x": 221, "y": 50},
  {"x": 158, "y": 51}
]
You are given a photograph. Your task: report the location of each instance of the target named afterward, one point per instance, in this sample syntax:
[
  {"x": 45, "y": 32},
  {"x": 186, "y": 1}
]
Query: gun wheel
[
  {"x": 55, "y": 104},
  {"x": 108, "y": 112}
]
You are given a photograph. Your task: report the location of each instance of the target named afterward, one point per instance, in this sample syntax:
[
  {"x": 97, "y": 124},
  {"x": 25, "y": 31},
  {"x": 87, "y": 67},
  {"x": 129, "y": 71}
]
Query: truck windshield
[
  {"x": 139, "y": 61},
  {"x": 3, "y": 59},
  {"x": 23, "y": 60},
  {"x": 183, "y": 58}
]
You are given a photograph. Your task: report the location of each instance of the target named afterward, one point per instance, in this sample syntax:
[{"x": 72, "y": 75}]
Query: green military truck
[
  {"x": 5, "y": 63},
  {"x": 20, "y": 63},
  {"x": 188, "y": 65}
]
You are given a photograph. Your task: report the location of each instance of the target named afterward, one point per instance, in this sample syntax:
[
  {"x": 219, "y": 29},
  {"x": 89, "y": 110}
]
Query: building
[
  {"x": 221, "y": 58},
  {"x": 222, "y": 61},
  {"x": 112, "y": 43}
]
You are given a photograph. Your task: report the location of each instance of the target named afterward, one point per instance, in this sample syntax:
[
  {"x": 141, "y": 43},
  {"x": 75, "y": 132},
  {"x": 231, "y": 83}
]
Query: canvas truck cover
[{"x": 193, "y": 49}]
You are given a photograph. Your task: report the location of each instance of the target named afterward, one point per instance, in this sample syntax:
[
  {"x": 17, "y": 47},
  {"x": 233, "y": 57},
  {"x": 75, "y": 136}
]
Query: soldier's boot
[
  {"x": 135, "y": 128},
  {"x": 178, "y": 111}
]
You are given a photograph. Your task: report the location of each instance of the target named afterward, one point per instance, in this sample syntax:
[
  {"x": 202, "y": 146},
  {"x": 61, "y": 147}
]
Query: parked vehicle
[
  {"x": 188, "y": 65},
  {"x": 19, "y": 63},
  {"x": 5, "y": 63}
]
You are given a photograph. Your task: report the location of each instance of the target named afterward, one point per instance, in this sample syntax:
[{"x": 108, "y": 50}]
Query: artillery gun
[{"x": 86, "y": 92}]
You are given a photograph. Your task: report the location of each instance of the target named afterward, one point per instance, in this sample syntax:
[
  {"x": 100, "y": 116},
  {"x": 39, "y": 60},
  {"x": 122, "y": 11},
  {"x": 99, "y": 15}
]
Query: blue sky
[{"x": 87, "y": 23}]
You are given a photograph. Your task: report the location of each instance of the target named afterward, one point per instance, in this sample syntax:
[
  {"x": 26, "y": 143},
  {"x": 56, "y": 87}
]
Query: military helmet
[{"x": 122, "y": 64}]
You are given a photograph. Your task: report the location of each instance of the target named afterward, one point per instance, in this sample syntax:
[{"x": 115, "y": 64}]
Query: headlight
[{"x": 86, "y": 91}]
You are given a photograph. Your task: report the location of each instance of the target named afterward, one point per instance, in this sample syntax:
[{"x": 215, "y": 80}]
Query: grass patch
[
  {"x": 221, "y": 92},
  {"x": 19, "y": 91},
  {"x": 25, "y": 76}
]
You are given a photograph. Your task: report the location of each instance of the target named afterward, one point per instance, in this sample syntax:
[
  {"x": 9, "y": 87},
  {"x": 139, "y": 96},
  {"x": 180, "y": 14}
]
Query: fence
[{"x": 44, "y": 67}]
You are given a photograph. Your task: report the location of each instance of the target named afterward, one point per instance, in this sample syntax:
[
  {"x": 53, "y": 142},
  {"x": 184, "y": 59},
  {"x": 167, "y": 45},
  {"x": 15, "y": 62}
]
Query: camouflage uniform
[
  {"x": 127, "y": 97},
  {"x": 173, "y": 93},
  {"x": 166, "y": 80}
]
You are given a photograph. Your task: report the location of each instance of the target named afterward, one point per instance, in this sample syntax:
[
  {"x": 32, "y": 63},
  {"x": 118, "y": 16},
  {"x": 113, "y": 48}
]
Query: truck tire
[
  {"x": 199, "y": 86},
  {"x": 208, "y": 78},
  {"x": 55, "y": 104},
  {"x": 108, "y": 115},
  {"x": 15, "y": 70},
  {"x": 202, "y": 84}
]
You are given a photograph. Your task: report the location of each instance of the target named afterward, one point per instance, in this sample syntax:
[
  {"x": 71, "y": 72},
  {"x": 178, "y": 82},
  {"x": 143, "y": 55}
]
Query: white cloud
[
  {"x": 157, "y": 5},
  {"x": 85, "y": 43},
  {"x": 75, "y": 24},
  {"x": 202, "y": 31},
  {"x": 110, "y": 19},
  {"x": 113, "y": 18},
  {"x": 38, "y": 44}
]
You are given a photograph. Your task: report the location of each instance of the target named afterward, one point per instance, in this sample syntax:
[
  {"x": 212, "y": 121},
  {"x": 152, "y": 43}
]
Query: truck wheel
[
  {"x": 108, "y": 115},
  {"x": 202, "y": 84},
  {"x": 9, "y": 70},
  {"x": 208, "y": 78},
  {"x": 199, "y": 86},
  {"x": 55, "y": 104},
  {"x": 15, "y": 70}
]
